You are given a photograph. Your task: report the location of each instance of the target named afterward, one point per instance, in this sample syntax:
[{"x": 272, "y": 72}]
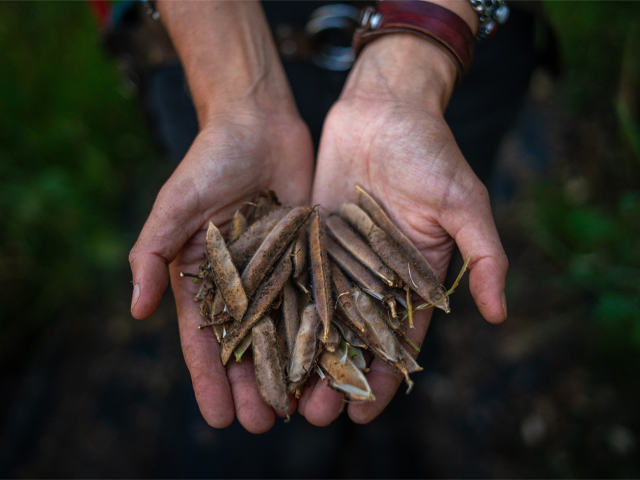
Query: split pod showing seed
[
  {"x": 423, "y": 282},
  {"x": 265, "y": 295},
  {"x": 272, "y": 248},
  {"x": 246, "y": 245},
  {"x": 303, "y": 359},
  {"x": 225, "y": 274},
  {"x": 268, "y": 365},
  {"x": 320, "y": 273},
  {"x": 360, "y": 250},
  {"x": 345, "y": 376}
]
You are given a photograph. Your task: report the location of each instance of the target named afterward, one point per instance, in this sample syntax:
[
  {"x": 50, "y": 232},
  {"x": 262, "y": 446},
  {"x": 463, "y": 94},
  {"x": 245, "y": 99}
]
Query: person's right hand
[
  {"x": 234, "y": 156},
  {"x": 251, "y": 139}
]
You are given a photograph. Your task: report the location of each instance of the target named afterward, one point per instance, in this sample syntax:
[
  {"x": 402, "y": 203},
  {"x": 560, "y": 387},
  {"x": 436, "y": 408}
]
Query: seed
[
  {"x": 320, "y": 273},
  {"x": 305, "y": 350},
  {"x": 272, "y": 248},
  {"x": 225, "y": 273},
  {"x": 345, "y": 376},
  {"x": 246, "y": 245},
  {"x": 239, "y": 225},
  {"x": 360, "y": 250},
  {"x": 268, "y": 365},
  {"x": 265, "y": 295}
]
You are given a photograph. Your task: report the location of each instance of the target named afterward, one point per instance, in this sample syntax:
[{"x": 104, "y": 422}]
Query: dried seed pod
[
  {"x": 239, "y": 225},
  {"x": 272, "y": 248},
  {"x": 218, "y": 303},
  {"x": 264, "y": 297},
  {"x": 349, "y": 335},
  {"x": 345, "y": 296},
  {"x": 299, "y": 255},
  {"x": 419, "y": 264},
  {"x": 266, "y": 203},
  {"x": 268, "y": 365},
  {"x": 345, "y": 376},
  {"x": 356, "y": 356},
  {"x": 219, "y": 331},
  {"x": 333, "y": 341},
  {"x": 207, "y": 305},
  {"x": 360, "y": 250},
  {"x": 290, "y": 315},
  {"x": 282, "y": 345},
  {"x": 243, "y": 347},
  {"x": 225, "y": 273},
  {"x": 305, "y": 350},
  {"x": 246, "y": 245},
  {"x": 205, "y": 288},
  {"x": 320, "y": 273}
]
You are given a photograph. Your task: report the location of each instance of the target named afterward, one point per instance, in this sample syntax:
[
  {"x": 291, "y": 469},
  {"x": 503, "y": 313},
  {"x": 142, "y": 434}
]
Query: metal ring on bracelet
[{"x": 491, "y": 13}]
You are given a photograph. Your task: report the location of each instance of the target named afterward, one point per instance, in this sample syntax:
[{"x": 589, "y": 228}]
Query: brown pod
[
  {"x": 299, "y": 254},
  {"x": 346, "y": 237},
  {"x": 225, "y": 274},
  {"x": 272, "y": 248},
  {"x": 419, "y": 264},
  {"x": 345, "y": 376},
  {"x": 268, "y": 365},
  {"x": 239, "y": 225},
  {"x": 423, "y": 282},
  {"x": 282, "y": 345},
  {"x": 246, "y": 245},
  {"x": 205, "y": 288},
  {"x": 219, "y": 331},
  {"x": 320, "y": 272},
  {"x": 348, "y": 334},
  {"x": 345, "y": 294},
  {"x": 290, "y": 315},
  {"x": 207, "y": 305},
  {"x": 264, "y": 297},
  {"x": 218, "y": 303},
  {"x": 333, "y": 341},
  {"x": 266, "y": 203},
  {"x": 305, "y": 350}
]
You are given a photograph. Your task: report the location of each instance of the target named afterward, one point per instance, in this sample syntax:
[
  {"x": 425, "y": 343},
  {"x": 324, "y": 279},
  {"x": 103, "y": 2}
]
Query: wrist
[
  {"x": 229, "y": 57},
  {"x": 404, "y": 69}
]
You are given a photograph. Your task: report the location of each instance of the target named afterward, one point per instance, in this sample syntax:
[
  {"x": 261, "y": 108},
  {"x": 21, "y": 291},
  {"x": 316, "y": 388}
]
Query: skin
[{"x": 386, "y": 133}]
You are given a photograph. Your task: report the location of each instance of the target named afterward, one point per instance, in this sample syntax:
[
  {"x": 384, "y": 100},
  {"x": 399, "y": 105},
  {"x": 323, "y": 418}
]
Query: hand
[
  {"x": 387, "y": 133},
  {"x": 251, "y": 139}
]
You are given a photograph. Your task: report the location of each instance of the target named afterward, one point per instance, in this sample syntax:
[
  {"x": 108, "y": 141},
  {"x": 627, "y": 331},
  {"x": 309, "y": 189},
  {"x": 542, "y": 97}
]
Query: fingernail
[
  {"x": 503, "y": 300},
  {"x": 136, "y": 295}
]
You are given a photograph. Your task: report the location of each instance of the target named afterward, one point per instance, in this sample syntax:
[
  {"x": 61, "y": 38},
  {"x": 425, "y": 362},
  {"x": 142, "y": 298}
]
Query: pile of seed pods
[{"x": 309, "y": 294}]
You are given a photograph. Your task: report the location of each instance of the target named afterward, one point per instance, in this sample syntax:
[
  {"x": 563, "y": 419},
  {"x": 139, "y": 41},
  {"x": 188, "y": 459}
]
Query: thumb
[
  {"x": 472, "y": 226},
  {"x": 173, "y": 220}
]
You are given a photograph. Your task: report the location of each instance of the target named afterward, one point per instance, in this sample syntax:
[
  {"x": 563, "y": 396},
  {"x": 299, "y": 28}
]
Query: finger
[
  {"x": 202, "y": 356},
  {"x": 474, "y": 230},
  {"x": 173, "y": 220},
  {"x": 253, "y": 413},
  {"x": 323, "y": 404},
  {"x": 383, "y": 379}
]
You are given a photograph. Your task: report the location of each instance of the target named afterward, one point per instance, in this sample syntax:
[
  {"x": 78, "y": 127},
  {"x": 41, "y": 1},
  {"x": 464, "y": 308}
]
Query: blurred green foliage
[
  {"x": 595, "y": 235},
  {"x": 71, "y": 144}
]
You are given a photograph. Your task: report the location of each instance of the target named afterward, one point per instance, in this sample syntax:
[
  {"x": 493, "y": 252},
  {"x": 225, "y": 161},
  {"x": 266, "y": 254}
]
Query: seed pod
[
  {"x": 424, "y": 282},
  {"x": 333, "y": 341},
  {"x": 239, "y": 225},
  {"x": 407, "y": 364},
  {"x": 320, "y": 273},
  {"x": 225, "y": 273},
  {"x": 282, "y": 345},
  {"x": 268, "y": 365},
  {"x": 349, "y": 335},
  {"x": 272, "y": 248},
  {"x": 206, "y": 306},
  {"x": 207, "y": 285},
  {"x": 219, "y": 331},
  {"x": 243, "y": 347},
  {"x": 305, "y": 350},
  {"x": 356, "y": 356},
  {"x": 344, "y": 294},
  {"x": 299, "y": 255},
  {"x": 246, "y": 245},
  {"x": 218, "y": 303},
  {"x": 265, "y": 295},
  {"x": 345, "y": 376},
  {"x": 266, "y": 203},
  {"x": 290, "y": 315},
  {"x": 419, "y": 264},
  {"x": 360, "y": 250}
]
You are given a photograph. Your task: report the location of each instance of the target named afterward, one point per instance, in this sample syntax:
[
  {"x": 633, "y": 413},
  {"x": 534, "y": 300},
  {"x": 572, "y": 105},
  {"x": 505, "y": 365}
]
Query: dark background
[{"x": 86, "y": 391}]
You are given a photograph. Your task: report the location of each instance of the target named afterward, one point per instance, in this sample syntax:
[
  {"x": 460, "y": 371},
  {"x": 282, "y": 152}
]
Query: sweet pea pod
[
  {"x": 290, "y": 315},
  {"x": 345, "y": 296},
  {"x": 299, "y": 255},
  {"x": 349, "y": 335},
  {"x": 320, "y": 273},
  {"x": 305, "y": 350},
  {"x": 345, "y": 376},
  {"x": 268, "y": 365}
]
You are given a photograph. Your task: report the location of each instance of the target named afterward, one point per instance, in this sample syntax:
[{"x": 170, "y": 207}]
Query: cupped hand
[
  {"x": 235, "y": 155},
  {"x": 387, "y": 133}
]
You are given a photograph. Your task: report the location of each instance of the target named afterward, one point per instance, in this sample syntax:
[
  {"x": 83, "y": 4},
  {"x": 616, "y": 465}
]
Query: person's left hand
[{"x": 387, "y": 133}]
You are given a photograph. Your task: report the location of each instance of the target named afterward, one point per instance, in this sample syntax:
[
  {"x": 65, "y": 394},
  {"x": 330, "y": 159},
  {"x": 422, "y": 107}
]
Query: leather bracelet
[{"x": 423, "y": 19}]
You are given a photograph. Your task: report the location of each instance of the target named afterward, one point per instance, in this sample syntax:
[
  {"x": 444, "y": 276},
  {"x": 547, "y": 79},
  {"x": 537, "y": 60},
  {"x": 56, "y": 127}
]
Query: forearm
[{"x": 228, "y": 55}]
